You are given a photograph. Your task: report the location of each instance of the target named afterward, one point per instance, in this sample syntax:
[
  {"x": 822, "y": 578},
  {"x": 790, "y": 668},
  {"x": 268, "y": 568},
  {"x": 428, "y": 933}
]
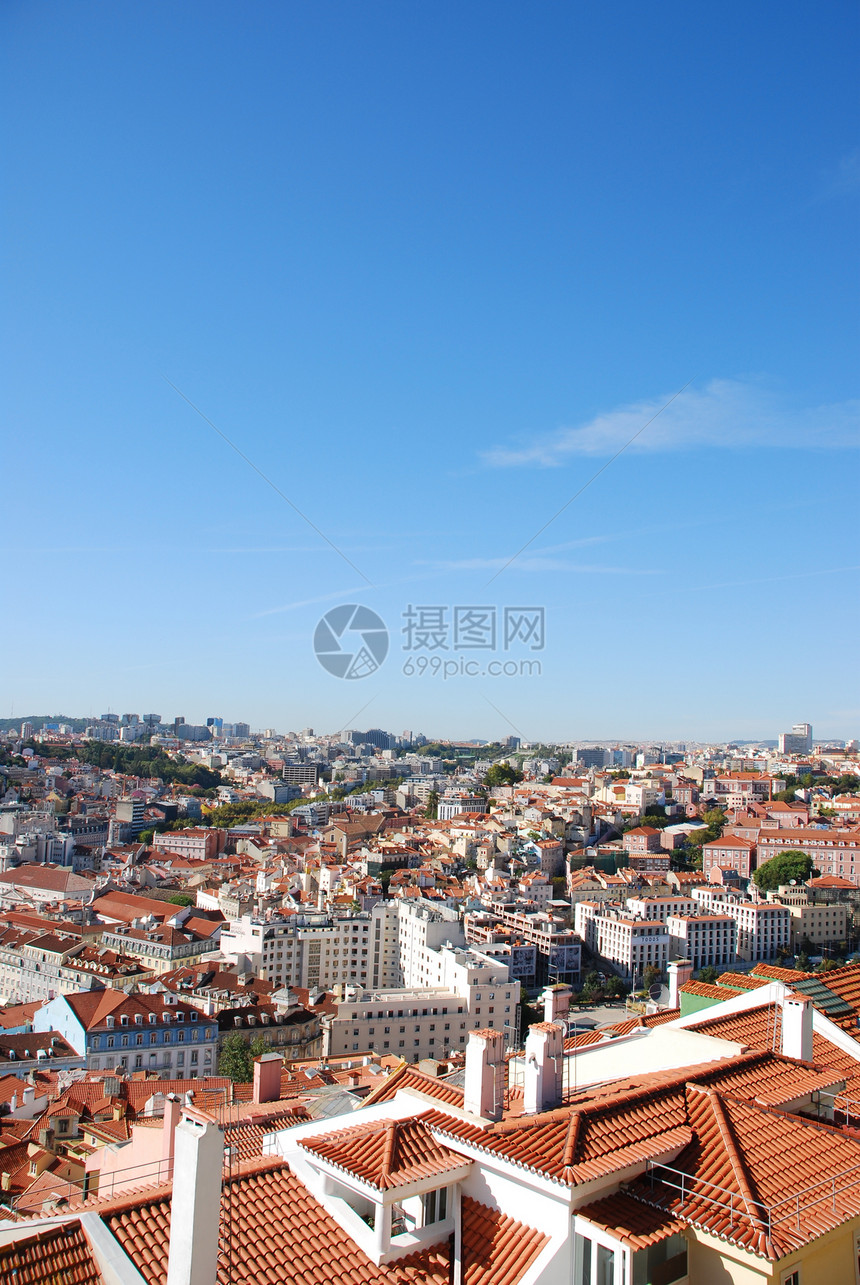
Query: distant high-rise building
[
  {"x": 129, "y": 812},
  {"x": 216, "y": 724},
  {"x": 375, "y": 736},
  {"x": 152, "y": 720},
  {"x": 797, "y": 741},
  {"x": 241, "y": 730},
  {"x": 26, "y": 731},
  {"x": 192, "y": 732},
  {"x": 301, "y": 773},
  {"x": 594, "y": 757}
]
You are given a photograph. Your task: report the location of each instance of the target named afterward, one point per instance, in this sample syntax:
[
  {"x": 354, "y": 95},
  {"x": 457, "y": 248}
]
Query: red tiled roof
[
  {"x": 629, "y": 1220},
  {"x": 776, "y": 974},
  {"x": 386, "y": 1153},
  {"x": 406, "y": 1077},
  {"x": 742, "y": 981},
  {"x": 276, "y": 1221},
  {"x": 59, "y": 1254},
  {"x": 246, "y": 1136},
  {"x": 765, "y": 1180},
  {"x": 610, "y": 1126},
  {"x": 755, "y": 1027}
]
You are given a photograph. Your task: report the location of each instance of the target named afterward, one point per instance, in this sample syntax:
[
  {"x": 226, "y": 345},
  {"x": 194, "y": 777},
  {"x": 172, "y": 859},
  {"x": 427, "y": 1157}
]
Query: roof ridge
[
  {"x": 389, "y": 1148},
  {"x": 743, "y": 1177},
  {"x": 572, "y": 1138}
]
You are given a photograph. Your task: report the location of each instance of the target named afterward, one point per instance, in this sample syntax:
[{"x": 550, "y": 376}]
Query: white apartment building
[
  {"x": 454, "y": 805},
  {"x": 817, "y": 925},
  {"x": 421, "y": 933},
  {"x": 660, "y": 907},
  {"x": 316, "y": 950},
  {"x": 629, "y": 944},
  {"x": 705, "y": 940},
  {"x": 428, "y": 1021},
  {"x": 763, "y": 928},
  {"x": 394, "y": 944}
]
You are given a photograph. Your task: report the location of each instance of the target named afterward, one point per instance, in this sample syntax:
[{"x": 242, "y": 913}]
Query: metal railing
[{"x": 737, "y": 1206}]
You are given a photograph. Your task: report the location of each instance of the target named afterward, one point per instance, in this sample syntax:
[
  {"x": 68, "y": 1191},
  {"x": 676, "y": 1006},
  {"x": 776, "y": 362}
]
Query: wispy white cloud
[
  {"x": 726, "y": 413},
  {"x": 343, "y": 594},
  {"x": 796, "y": 575},
  {"x": 539, "y": 562}
]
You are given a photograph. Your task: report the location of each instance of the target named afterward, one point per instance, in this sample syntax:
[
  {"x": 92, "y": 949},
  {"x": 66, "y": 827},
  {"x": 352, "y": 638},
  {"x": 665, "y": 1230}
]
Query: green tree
[
  {"x": 431, "y": 811},
  {"x": 781, "y": 869},
  {"x": 181, "y": 899},
  {"x": 707, "y": 974},
  {"x": 801, "y": 962},
  {"x": 502, "y": 774},
  {"x": 237, "y": 1057}
]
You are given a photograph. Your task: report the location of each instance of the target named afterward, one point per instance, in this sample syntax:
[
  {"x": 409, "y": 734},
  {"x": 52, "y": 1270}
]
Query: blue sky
[{"x": 430, "y": 268}]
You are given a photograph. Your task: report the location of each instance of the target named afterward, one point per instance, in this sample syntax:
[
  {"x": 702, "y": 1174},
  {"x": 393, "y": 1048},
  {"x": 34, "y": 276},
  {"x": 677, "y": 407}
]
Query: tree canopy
[
  {"x": 781, "y": 869},
  {"x": 502, "y": 774},
  {"x": 237, "y": 1056},
  {"x": 147, "y": 760}
]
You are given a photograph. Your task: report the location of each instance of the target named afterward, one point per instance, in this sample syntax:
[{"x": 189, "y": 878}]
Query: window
[
  {"x": 435, "y": 1205},
  {"x": 606, "y": 1266},
  {"x": 792, "y": 1277}
]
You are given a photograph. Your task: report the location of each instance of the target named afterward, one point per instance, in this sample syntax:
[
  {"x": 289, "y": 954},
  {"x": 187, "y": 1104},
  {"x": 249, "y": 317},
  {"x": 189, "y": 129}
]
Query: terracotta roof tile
[
  {"x": 766, "y": 1180},
  {"x": 407, "y": 1077},
  {"x": 58, "y": 1254},
  {"x": 636, "y": 1224},
  {"x": 385, "y": 1153},
  {"x": 276, "y": 1221}
]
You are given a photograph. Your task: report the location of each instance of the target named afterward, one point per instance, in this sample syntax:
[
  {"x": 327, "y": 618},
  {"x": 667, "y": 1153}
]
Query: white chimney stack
[
  {"x": 485, "y": 1075},
  {"x": 542, "y": 1088},
  {"x": 797, "y": 1027},
  {"x": 680, "y": 971},
  {"x": 195, "y": 1209},
  {"x": 556, "y": 1002}
]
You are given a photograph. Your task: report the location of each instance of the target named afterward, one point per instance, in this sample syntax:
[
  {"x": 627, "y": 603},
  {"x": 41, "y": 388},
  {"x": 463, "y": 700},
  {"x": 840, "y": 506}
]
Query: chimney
[
  {"x": 797, "y": 1027},
  {"x": 196, "y": 1202},
  {"x": 172, "y": 1116},
  {"x": 485, "y": 1074},
  {"x": 680, "y": 971},
  {"x": 544, "y": 1064},
  {"x": 267, "y": 1078},
  {"x": 556, "y": 1002}
]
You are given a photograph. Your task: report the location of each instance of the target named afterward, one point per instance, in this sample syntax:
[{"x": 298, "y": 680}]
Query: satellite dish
[{"x": 655, "y": 991}]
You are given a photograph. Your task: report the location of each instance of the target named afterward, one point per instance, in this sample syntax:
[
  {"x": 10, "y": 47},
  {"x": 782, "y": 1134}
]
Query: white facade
[
  {"x": 705, "y": 940},
  {"x": 428, "y": 1021}
]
